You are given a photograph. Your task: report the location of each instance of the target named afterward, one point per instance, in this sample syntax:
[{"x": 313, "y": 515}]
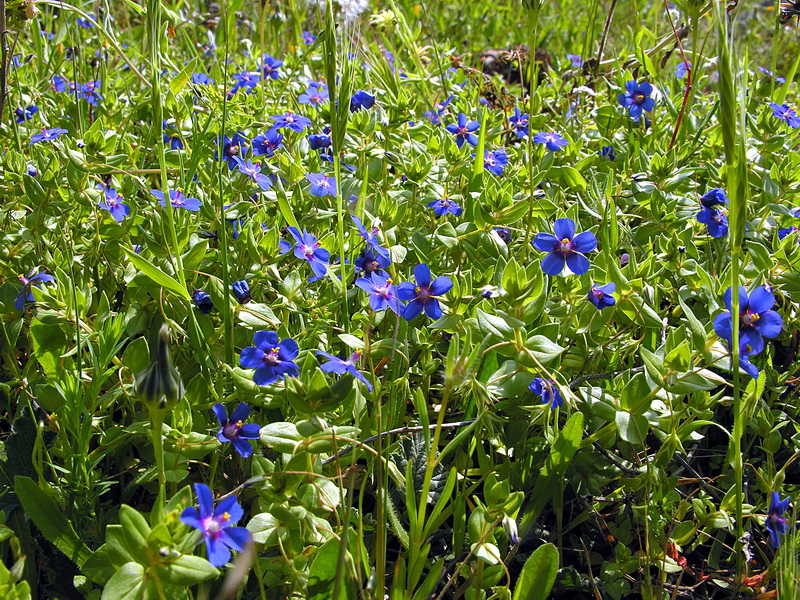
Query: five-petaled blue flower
[
  {"x": 548, "y": 390},
  {"x": 340, "y": 366},
  {"x": 463, "y": 130},
  {"x": 232, "y": 147},
  {"x": 756, "y": 319},
  {"x": 637, "y": 99},
  {"x": 25, "y": 294},
  {"x": 575, "y": 60},
  {"x": 291, "y": 121},
  {"x": 47, "y": 135},
  {"x": 178, "y": 200},
  {"x": 201, "y": 79},
  {"x": 322, "y": 185},
  {"x": 371, "y": 262},
  {"x": 423, "y": 295},
  {"x": 231, "y": 430},
  {"x": 271, "y": 358},
  {"x": 369, "y": 237},
  {"x": 519, "y": 122},
  {"x": 112, "y": 202},
  {"x": 771, "y": 74},
  {"x": 495, "y": 161},
  {"x": 715, "y": 220},
  {"x": 600, "y": 295},
  {"x": 266, "y": 144},
  {"x": 361, "y": 99},
  {"x": 552, "y": 141},
  {"x": 270, "y": 67},
  {"x": 382, "y": 292},
  {"x": 308, "y": 248},
  {"x": 444, "y": 206},
  {"x": 246, "y": 80},
  {"x": 216, "y": 525},
  {"x": 316, "y": 93},
  {"x": 785, "y": 113},
  {"x": 776, "y": 524},
  {"x": 309, "y": 38},
  {"x": 565, "y": 248},
  {"x": 90, "y": 91},
  {"x": 253, "y": 170}
]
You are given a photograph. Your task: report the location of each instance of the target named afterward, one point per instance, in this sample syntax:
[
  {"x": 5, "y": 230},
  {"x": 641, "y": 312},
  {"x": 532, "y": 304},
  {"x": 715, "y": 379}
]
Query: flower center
[
  {"x": 233, "y": 150},
  {"x": 750, "y": 318},
  {"x": 308, "y": 251},
  {"x": 271, "y": 356},
  {"x": 423, "y": 293},
  {"x": 178, "y": 199},
  {"x": 231, "y": 430},
  {"x": 565, "y": 246},
  {"x": 638, "y": 97},
  {"x": 598, "y": 295}
]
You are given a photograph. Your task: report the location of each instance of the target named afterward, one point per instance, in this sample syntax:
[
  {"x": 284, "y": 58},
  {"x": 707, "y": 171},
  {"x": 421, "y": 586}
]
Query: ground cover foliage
[{"x": 297, "y": 302}]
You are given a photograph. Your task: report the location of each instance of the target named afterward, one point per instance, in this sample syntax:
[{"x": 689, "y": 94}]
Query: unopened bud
[{"x": 159, "y": 386}]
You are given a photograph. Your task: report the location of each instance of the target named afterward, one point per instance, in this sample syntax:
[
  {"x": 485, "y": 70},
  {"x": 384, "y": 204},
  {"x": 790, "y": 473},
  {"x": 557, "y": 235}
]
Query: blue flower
[
  {"x": 463, "y": 130},
  {"x": 175, "y": 142},
  {"x": 89, "y": 91},
  {"x": 495, "y": 161},
  {"x": 253, "y": 170},
  {"x": 784, "y": 231},
  {"x": 25, "y": 294},
  {"x": 316, "y": 93},
  {"x": 178, "y": 200},
  {"x": 201, "y": 79},
  {"x": 340, "y": 367},
  {"x": 216, "y": 525},
  {"x": 291, "y": 121},
  {"x": 202, "y": 301},
  {"x": 552, "y": 141},
  {"x": 270, "y": 68},
  {"x": 317, "y": 141},
  {"x": 682, "y": 69},
  {"x": 565, "y": 248},
  {"x": 548, "y": 390},
  {"x": 113, "y": 203},
  {"x": 369, "y": 237},
  {"x": 382, "y": 293},
  {"x": 423, "y": 295},
  {"x": 607, "y": 152},
  {"x": 756, "y": 319},
  {"x": 309, "y": 38},
  {"x": 231, "y": 430},
  {"x": 776, "y": 524},
  {"x": 361, "y": 99},
  {"x": 84, "y": 22},
  {"x": 637, "y": 99},
  {"x": 575, "y": 59},
  {"x": 246, "y": 80},
  {"x": 519, "y": 122},
  {"x": 771, "y": 74},
  {"x": 266, "y": 144},
  {"x": 784, "y": 113},
  {"x": 370, "y": 262},
  {"x": 47, "y": 135},
  {"x": 242, "y": 291},
  {"x": 60, "y": 84},
  {"x": 272, "y": 359},
  {"x": 444, "y": 206},
  {"x": 715, "y": 220},
  {"x": 322, "y": 185},
  {"x": 25, "y": 114},
  {"x": 232, "y": 147},
  {"x": 600, "y": 295},
  {"x": 308, "y": 248},
  {"x": 713, "y": 197}
]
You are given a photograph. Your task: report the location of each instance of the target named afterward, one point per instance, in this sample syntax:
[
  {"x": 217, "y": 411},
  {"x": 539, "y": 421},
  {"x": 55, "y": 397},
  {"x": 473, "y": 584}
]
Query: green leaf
[
  {"x": 679, "y": 359},
  {"x": 135, "y": 531},
  {"x": 181, "y": 79},
  {"x": 632, "y": 428},
  {"x": 127, "y": 584},
  {"x": 494, "y": 325},
  {"x": 156, "y": 274},
  {"x": 98, "y": 567},
  {"x": 538, "y": 574},
  {"x": 283, "y": 437},
  {"x": 544, "y": 349},
  {"x": 186, "y": 570},
  {"x": 264, "y": 528},
  {"x": 324, "y": 572},
  {"x": 50, "y": 520}
]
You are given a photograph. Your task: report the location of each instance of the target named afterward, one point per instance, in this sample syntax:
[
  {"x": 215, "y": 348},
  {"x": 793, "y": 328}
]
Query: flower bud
[
  {"x": 242, "y": 292},
  {"x": 159, "y": 386}
]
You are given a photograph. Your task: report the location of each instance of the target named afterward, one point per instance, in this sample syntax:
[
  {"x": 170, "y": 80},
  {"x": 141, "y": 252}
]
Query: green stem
[{"x": 156, "y": 435}]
